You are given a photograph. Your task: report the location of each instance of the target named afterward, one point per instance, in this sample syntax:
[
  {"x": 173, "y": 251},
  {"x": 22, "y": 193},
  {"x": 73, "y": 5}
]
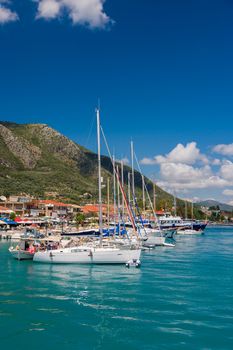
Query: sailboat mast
[
  {"x": 192, "y": 215},
  {"x": 127, "y": 203},
  {"x": 99, "y": 177},
  {"x": 118, "y": 199},
  {"x": 114, "y": 193},
  {"x": 186, "y": 210},
  {"x": 143, "y": 194},
  {"x": 154, "y": 198},
  {"x": 132, "y": 166},
  {"x": 129, "y": 191},
  {"x": 174, "y": 204},
  {"x": 108, "y": 207},
  {"x": 122, "y": 181}
]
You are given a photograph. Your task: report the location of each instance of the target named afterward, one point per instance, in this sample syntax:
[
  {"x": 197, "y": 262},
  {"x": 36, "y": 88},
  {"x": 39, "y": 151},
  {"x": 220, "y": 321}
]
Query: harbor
[
  {"x": 181, "y": 298},
  {"x": 117, "y": 242},
  {"x": 116, "y": 175}
]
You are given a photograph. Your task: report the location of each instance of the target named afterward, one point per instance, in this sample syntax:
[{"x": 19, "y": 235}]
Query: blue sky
[{"x": 162, "y": 69}]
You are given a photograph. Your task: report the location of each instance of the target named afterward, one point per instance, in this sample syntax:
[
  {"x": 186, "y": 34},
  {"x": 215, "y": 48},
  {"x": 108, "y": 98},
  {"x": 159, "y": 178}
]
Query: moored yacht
[
  {"x": 88, "y": 255},
  {"x": 167, "y": 221}
]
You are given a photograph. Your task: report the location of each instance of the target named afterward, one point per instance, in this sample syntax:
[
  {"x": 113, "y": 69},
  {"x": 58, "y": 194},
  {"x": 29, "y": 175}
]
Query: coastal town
[{"x": 25, "y": 209}]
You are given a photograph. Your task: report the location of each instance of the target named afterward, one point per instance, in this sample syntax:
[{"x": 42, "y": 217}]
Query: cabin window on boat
[{"x": 74, "y": 250}]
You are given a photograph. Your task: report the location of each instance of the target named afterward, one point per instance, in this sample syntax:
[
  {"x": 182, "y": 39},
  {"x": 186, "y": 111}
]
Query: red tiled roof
[
  {"x": 4, "y": 209},
  {"x": 159, "y": 212},
  {"x": 94, "y": 208}
]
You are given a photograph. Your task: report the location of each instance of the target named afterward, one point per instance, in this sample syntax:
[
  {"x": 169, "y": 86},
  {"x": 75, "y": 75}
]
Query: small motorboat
[
  {"x": 23, "y": 251},
  {"x": 20, "y": 254},
  {"x": 133, "y": 263},
  {"x": 154, "y": 241}
]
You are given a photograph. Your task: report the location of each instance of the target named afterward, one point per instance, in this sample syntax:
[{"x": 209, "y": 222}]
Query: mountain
[
  {"x": 36, "y": 159},
  {"x": 213, "y": 203}
]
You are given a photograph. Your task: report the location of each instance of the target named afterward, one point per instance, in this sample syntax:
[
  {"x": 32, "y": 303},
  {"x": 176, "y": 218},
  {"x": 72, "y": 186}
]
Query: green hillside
[{"x": 37, "y": 160}]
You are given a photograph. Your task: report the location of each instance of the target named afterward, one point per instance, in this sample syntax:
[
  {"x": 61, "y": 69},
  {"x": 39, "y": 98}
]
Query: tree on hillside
[
  {"x": 214, "y": 207},
  {"x": 12, "y": 215},
  {"x": 79, "y": 219}
]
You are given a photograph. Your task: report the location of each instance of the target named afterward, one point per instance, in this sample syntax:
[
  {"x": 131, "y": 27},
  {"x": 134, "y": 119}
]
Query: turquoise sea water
[{"x": 181, "y": 298}]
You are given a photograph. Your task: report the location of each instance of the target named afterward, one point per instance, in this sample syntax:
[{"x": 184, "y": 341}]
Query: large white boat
[
  {"x": 88, "y": 255},
  {"x": 167, "y": 221}
]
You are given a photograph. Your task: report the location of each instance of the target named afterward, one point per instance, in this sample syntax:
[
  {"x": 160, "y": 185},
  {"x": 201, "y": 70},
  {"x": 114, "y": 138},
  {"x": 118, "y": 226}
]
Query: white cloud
[
  {"x": 6, "y": 14},
  {"x": 226, "y": 170},
  {"x": 213, "y": 181},
  {"x": 181, "y": 177},
  {"x": 188, "y": 154},
  {"x": 192, "y": 199},
  {"x": 148, "y": 161},
  {"x": 125, "y": 160},
  {"x": 216, "y": 161},
  {"x": 84, "y": 12},
  {"x": 185, "y": 168},
  {"x": 228, "y": 192},
  {"x": 180, "y": 172},
  {"x": 224, "y": 149},
  {"x": 48, "y": 9}
]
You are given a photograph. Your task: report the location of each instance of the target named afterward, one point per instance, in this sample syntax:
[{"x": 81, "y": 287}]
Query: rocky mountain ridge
[{"x": 36, "y": 159}]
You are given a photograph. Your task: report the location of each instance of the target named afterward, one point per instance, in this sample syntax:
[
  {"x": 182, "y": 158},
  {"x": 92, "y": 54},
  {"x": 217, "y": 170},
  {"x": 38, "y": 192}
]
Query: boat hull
[
  {"x": 84, "y": 233},
  {"x": 87, "y": 256},
  {"x": 190, "y": 232},
  {"x": 154, "y": 241},
  {"x": 21, "y": 254},
  {"x": 195, "y": 226}
]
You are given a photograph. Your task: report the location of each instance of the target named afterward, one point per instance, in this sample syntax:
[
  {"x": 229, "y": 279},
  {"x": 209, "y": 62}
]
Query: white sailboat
[
  {"x": 88, "y": 255},
  {"x": 91, "y": 254},
  {"x": 155, "y": 236}
]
